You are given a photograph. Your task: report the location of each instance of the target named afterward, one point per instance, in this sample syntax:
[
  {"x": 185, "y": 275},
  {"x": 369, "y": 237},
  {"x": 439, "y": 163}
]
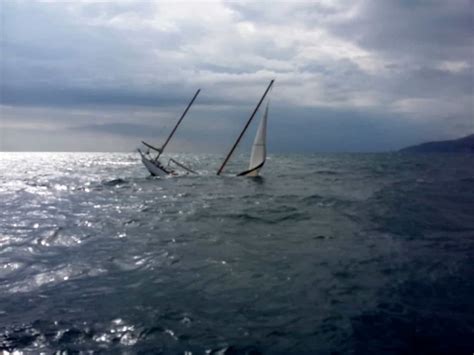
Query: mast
[
  {"x": 245, "y": 128},
  {"x": 177, "y": 124}
]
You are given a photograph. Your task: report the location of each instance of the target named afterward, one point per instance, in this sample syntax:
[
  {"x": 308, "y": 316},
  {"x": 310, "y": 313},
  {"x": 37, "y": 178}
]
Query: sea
[{"x": 322, "y": 254}]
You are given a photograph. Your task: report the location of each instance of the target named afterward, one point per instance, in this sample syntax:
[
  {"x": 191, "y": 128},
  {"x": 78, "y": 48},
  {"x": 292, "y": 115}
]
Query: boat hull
[{"x": 154, "y": 167}]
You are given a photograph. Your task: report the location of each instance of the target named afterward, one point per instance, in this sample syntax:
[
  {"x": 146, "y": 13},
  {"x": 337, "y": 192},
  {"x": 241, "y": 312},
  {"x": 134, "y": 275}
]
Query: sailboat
[
  {"x": 152, "y": 163},
  {"x": 259, "y": 151}
]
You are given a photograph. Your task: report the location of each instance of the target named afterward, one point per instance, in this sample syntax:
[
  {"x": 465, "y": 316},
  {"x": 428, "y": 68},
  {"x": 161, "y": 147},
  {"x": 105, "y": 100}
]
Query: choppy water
[{"x": 364, "y": 254}]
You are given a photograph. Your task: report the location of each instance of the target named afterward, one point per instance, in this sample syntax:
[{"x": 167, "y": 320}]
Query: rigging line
[{"x": 171, "y": 160}]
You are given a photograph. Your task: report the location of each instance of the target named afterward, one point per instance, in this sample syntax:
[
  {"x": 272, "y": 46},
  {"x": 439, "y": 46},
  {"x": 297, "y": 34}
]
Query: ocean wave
[{"x": 316, "y": 257}]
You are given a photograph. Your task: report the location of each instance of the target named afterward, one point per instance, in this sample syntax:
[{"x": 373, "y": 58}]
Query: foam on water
[{"x": 324, "y": 253}]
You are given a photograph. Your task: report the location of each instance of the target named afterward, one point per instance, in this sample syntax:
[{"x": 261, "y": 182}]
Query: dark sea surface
[{"x": 350, "y": 254}]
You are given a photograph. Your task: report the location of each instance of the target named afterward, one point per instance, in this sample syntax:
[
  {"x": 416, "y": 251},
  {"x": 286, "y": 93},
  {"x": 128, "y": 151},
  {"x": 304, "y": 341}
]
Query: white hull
[{"x": 155, "y": 168}]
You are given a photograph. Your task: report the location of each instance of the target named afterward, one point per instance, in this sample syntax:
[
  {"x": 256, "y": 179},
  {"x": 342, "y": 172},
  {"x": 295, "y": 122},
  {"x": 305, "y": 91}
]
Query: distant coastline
[{"x": 461, "y": 145}]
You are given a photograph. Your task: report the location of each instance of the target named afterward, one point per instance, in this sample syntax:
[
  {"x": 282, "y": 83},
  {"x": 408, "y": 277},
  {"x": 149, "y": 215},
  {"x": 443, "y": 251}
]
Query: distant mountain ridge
[{"x": 461, "y": 145}]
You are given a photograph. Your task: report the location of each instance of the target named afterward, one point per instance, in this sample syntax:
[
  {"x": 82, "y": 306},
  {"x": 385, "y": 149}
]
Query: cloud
[
  {"x": 123, "y": 129},
  {"x": 105, "y": 65}
]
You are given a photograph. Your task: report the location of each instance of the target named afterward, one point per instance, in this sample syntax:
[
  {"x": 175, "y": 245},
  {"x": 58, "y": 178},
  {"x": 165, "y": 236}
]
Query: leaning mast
[
  {"x": 245, "y": 128},
  {"x": 177, "y": 124}
]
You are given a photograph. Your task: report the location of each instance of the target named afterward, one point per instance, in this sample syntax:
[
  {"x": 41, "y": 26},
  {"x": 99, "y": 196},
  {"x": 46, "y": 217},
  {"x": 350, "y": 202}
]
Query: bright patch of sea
[{"x": 361, "y": 253}]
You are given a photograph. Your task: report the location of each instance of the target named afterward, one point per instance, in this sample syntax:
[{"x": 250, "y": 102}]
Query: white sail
[
  {"x": 259, "y": 148},
  {"x": 259, "y": 153}
]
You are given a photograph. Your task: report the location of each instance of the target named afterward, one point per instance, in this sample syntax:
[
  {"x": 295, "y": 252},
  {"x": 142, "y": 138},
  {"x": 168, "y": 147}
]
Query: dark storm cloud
[
  {"x": 50, "y": 60},
  {"x": 351, "y": 75},
  {"x": 123, "y": 129},
  {"x": 427, "y": 29},
  {"x": 424, "y": 82},
  {"x": 307, "y": 129},
  {"x": 56, "y": 96}
]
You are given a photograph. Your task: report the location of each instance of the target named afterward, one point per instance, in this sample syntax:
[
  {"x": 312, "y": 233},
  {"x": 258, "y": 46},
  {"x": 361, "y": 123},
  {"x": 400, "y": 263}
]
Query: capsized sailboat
[
  {"x": 152, "y": 163},
  {"x": 259, "y": 151}
]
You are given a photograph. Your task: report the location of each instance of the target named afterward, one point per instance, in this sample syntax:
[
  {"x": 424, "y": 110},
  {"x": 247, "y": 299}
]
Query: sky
[{"x": 351, "y": 75}]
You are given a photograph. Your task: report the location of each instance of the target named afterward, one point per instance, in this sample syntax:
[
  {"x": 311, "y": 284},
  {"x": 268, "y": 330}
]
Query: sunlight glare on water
[{"x": 316, "y": 256}]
